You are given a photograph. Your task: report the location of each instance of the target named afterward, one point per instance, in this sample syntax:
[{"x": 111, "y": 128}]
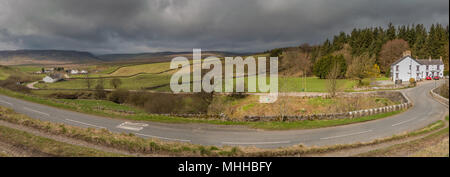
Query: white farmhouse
[
  {"x": 74, "y": 71},
  {"x": 407, "y": 67},
  {"x": 52, "y": 78}
]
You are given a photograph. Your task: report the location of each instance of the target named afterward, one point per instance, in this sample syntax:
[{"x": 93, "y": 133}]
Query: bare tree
[
  {"x": 88, "y": 82},
  {"x": 282, "y": 102},
  {"x": 332, "y": 79},
  {"x": 390, "y": 52},
  {"x": 297, "y": 62},
  {"x": 362, "y": 67},
  {"x": 115, "y": 83}
]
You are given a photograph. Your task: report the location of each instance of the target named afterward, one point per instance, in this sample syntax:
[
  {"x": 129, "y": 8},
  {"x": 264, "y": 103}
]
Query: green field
[
  {"x": 28, "y": 69},
  {"x": 143, "y": 68},
  {"x": 146, "y": 78},
  {"x": 6, "y": 71},
  {"x": 285, "y": 84},
  {"x": 131, "y": 83}
]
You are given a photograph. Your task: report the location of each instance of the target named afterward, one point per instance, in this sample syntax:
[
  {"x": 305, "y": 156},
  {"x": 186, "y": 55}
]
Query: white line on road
[
  {"x": 339, "y": 136},
  {"x": 403, "y": 122},
  {"x": 173, "y": 139},
  {"x": 256, "y": 143},
  {"x": 32, "y": 110},
  {"x": 132, "y": 126},
  {"x": 85, "y": 123},
  {"x": 6, "y": 102}
]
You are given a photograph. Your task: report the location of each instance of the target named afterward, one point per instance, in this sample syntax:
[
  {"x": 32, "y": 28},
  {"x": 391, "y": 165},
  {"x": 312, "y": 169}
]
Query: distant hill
[
  {"x": 162, "y": 56},
  {"x": 20, "y": 57},
  {"x": 53, "y": 57}
]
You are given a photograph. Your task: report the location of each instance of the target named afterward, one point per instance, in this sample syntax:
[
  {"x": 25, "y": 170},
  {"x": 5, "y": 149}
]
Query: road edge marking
[
  {"x": 402, "y": 122},
  {"x": 350, "y": 134},
  {"x": 256, "y": 143},
  {"x": 159, "y": 137},
  {"x": 85, "y": 123},
  {"x": 32, "y": 110}
]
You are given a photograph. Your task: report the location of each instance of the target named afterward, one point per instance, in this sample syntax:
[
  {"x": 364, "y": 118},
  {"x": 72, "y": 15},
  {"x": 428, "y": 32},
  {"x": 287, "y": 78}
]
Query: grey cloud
[{"x": 106, "y": 26}]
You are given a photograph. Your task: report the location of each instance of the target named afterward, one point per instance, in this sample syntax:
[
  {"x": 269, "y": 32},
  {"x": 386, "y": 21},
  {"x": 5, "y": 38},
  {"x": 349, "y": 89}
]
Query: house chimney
[
  {"x": 440, "y": 58},
  {"x": 407, "y": 53},
  {"x": 429, "y": 59}
]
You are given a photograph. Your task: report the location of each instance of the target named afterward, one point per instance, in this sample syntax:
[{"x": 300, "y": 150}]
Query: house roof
[
  {"x": 399, "y": 60},
  {"x": 421, "y": 61},
  {"x": 56, "y": 76},
  {"x": 430, "y": 62}
]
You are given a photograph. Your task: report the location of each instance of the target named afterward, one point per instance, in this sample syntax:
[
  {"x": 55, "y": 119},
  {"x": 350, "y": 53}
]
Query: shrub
[
  {"x": 323, "y": 66},
  {"x": 164, "y": 103},
  {"x": 115, "y": 83},
  {"x": 75, "y": 95},
  {"x": 100, "y": 92},
  {"x": 119, "y": 96},
  {"x": 444, "y": 90},
  {"x": 412, "y": 81}
]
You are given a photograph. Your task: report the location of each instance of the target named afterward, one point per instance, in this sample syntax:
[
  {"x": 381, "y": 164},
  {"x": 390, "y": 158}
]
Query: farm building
[
  {"x": 52, "y": 78},
  {"x": 408, "y": 67},
  {"x": 74, "y": 71}
]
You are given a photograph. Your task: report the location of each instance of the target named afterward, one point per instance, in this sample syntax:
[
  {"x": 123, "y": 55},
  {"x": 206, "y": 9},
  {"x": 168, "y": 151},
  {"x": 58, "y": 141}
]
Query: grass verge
[
  {"x": 299, "y": 150},
  {"x": 46, "y": 146},
  {"x": 3, "y": 155},
  {"x": 414, "y": 146},
  {"x": 89, "y": 107}
]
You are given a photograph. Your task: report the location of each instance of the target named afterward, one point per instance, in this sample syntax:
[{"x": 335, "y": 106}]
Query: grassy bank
[
  {"x": 300, "y": 150},
  {"x": 412, "y": 147},
  {"x": 47, "y": 147},
  {"x": 113, "y": 110},
  {"x": 3, "y": 154}
]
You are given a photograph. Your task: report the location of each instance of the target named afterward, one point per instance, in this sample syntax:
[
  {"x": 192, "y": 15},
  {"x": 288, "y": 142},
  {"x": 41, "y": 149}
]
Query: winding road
[{"x": 425, "y": 111}]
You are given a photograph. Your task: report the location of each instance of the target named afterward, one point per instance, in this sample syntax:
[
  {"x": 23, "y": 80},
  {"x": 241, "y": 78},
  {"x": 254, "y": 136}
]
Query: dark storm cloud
[{"x": 106, "y": 26}]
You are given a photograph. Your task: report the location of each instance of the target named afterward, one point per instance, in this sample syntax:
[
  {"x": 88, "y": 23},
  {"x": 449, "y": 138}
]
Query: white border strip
[
  {"x": 32, "y": 110},
  {"x": 85, "y": 123},
  {"x": 172, "y": 139},
  {"x": 339, "y": 136},
  {"x": 256, "y": 143}
]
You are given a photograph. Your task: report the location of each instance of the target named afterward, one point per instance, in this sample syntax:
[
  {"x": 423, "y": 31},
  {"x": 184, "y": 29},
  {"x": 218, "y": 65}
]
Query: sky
[{"x": 133, "y": 26}]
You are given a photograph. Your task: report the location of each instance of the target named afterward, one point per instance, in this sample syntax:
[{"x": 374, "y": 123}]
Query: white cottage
[
  {"x": 52, "y": 78},
  {"x": 74, "y": 71},
  {"x": 407, "y": 67}
]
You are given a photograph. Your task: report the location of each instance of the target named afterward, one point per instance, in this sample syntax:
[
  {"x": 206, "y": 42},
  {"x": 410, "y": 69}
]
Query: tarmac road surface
[{"x": 425, "y": 111}]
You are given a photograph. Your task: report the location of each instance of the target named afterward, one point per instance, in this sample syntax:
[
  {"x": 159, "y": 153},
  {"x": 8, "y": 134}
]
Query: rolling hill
[
  {"x": 21, "y": 57},
  {"x": 162, "y": 56}
]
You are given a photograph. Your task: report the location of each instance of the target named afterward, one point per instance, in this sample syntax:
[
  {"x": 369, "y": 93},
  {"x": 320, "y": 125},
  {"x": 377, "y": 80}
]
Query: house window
[
  {"x": 438, "y": 67},
  {"x": 427, "y": 67},
  {"x": 409, "y": 67},
  {"x": 417, "y": 68},
  {"x": 396, "y": 68},
  {"x": 396, "y": 75}
]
